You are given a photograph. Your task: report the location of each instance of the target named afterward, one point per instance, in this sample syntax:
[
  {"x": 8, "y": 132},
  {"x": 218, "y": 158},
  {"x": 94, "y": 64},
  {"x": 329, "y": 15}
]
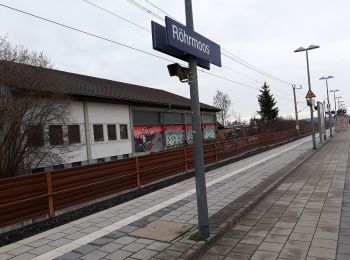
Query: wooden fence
[{"x": 27, "y": 197}]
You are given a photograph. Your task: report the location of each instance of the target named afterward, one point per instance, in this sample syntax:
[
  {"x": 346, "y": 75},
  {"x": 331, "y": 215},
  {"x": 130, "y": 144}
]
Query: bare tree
[
  {"x": 29, "y": 103},
  {"x": 222, "y": 101}
]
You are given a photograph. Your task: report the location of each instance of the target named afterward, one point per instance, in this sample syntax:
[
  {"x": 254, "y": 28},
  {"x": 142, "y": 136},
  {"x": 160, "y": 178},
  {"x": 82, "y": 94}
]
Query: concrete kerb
[{"x": 231, "y": 221}]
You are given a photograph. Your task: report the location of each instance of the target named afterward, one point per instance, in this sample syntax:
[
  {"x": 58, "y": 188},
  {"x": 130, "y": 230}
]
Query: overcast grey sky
[{"x": 264, "y": 33}]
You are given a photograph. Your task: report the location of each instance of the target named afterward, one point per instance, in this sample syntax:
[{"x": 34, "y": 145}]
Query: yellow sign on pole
[{"x": 310, "y": 94}]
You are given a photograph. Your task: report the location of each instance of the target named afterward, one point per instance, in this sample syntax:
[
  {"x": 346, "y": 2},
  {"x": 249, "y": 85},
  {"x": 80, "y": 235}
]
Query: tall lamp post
[
  {"x": 311, "y": 47},
  {"x": 338, "y": 101},
  {"x": 335, "y": 103},
  {"x": 296, "y": 109},
  {"x": 335, "y": 108},
  {"x": 324, "y": 111},
  {"x": 342, "y": 105},
  {"x": 338, "y": 108},
  {"x": 328, "y": 105}
]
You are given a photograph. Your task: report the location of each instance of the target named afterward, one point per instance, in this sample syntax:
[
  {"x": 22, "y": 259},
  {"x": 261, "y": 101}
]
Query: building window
[
  {"x": 146, "y": 117},
  {"x": 35, "y": 136},
  {"x": 58, "y": 167},
  {"x": 37, "y": 170},
  {"x": 100, "y": 160},
  {"x": 188, "y": 120},
  {"x": 112, "y": 132},
  {"x": 98, "y": 133},
  {"x": 113, "y": 158},
  {"x": 56, "y": 134},
  {"x": 123, "y": 131},
  {"x": 208, "y": 119},
  {"x": 172, "y": 118},
  {"x": 73, "y": 134},
  {"x": 76, "y": 164}
]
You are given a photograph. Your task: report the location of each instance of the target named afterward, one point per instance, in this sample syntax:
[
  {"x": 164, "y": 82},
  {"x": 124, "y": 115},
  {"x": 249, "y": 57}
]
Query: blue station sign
[
  {"x": 182, "y": 38},
  {"x": 160, "y": 44}
]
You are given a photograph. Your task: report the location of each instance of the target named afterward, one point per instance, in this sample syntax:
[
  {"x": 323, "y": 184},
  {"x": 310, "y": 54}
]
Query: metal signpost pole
[
  {"x": 183, "y": 42},
  {"x": 202, "y": 207},
  {"x": 296, "y": 111},
  {"x": 311, "y": 108}
]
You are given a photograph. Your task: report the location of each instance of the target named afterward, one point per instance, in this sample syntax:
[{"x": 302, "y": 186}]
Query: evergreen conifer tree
[{"x": 268, "y": 112}]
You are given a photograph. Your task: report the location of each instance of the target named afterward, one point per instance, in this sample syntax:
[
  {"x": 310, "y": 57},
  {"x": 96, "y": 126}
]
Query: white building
[
  {"x": 108, "y": 135},
  {"x": 112, "y": 120}
]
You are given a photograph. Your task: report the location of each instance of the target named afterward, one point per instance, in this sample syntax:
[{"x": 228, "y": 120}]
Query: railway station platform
[{"x": 289, "y": 202}]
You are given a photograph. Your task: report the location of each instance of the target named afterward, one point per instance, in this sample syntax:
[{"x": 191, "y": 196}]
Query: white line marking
[{"x": 106, "y": 230}]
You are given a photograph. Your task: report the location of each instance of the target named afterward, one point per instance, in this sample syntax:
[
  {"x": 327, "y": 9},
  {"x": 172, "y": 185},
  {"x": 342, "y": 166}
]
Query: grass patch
[{"x": 196, "y": 237}]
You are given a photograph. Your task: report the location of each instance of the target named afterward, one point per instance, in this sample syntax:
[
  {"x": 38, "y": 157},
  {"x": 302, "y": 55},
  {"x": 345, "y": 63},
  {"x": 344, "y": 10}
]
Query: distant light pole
[
  {"x": 335, "y": 103},
  {"x": 335, "y": 108},
  {"x": 311, "y": 47},
  {"x": 324, "y": 112},
  {"x": 338, "y": 101},
  {"x": 296, "y": 109},
  {"x": 337, "y": 98},
  {"x": 328, "y": 105}
]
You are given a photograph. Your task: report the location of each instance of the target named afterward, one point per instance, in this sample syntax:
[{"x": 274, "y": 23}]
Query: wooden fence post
[
  {"x": 50, "y": 195},
  {"x": 138, "y": 172},
  {"x": 185, "y": 156}
]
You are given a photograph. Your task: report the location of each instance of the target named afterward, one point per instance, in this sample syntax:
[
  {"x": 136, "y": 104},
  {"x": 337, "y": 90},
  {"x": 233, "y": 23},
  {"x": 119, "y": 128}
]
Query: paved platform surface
[
  {"x": 313, "y": 198},
  {"x": 306, "y": 217}
]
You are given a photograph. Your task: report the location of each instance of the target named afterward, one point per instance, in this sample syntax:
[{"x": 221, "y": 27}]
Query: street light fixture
[
  {"x": 311, "y": 47},
  {"x": 328, "y": 105}
]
